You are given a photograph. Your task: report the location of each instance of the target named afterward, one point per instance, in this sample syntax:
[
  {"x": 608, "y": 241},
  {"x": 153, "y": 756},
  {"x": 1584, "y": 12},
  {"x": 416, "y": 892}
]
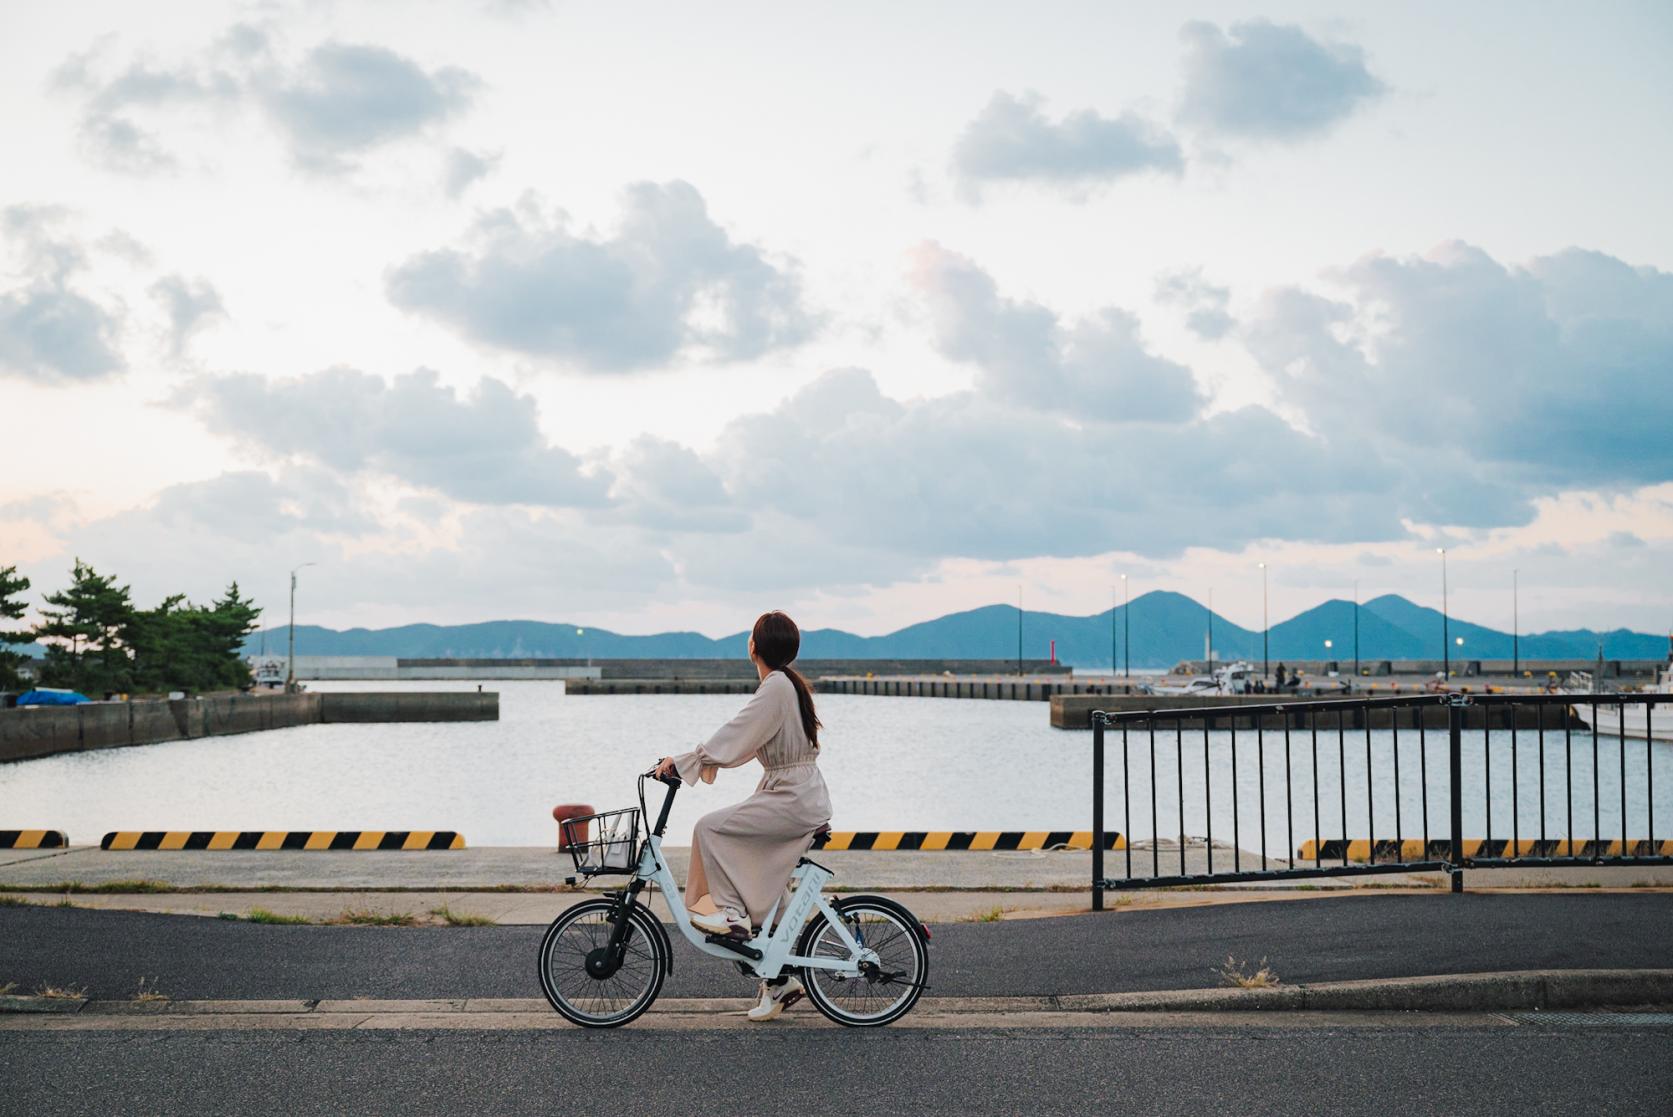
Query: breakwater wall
[
  {"x": 650, "y": 670},
  {"x": 1024, "y": 689},
  {"x": 1006, "y": 689},
  {"x": 29, "y": 733},
  {"x": 1069, "y": 711}
]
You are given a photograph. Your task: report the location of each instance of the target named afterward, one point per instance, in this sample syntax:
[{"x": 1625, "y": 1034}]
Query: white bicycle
[{"x": 862, "y": 959}]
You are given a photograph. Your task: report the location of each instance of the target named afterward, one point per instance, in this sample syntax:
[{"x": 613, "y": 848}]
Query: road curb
[
  {"x": 1524, "y": 990},
  {"x": 26, "y": 1005},
  {"x": 1516, "y": 990}
]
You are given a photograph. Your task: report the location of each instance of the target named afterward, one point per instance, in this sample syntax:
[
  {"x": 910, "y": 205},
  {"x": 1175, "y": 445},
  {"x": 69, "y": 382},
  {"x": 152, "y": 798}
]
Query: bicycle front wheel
[
  {"x": 891, "y": 978},
  {"x": 596, "y": 996}
]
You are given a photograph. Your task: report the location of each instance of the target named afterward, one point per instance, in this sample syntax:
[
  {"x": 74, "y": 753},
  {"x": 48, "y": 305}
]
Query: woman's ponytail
[{"x": 777, "y": 640}]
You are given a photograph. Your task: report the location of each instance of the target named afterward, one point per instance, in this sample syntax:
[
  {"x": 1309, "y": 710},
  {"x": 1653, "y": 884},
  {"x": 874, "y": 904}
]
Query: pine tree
[
  {"x": 228, "y": 623},
  {"x": 12, "y": 584},
  {"x": 90, "y": 620}
]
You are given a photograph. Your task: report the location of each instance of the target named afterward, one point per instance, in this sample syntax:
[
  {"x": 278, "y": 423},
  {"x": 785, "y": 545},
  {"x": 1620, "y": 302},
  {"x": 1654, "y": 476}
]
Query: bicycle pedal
[{"x": 735, "y": 944}]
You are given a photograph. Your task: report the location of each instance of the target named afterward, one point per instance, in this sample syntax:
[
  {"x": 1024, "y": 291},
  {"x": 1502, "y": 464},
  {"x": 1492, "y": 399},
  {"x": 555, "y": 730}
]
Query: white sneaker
[
  {"x": 720, "y": 922},
  {"x": 775, "y": 999}
]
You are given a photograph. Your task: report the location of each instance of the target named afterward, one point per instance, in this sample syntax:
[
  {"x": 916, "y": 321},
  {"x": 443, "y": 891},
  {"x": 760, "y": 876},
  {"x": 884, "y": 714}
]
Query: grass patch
[
  {"x": 13, "y": 902},
  {"x": 146, "y": 996},
  {"x": 365, "y": 917},
  {"x": 460, "y": 919},
  {"x": 61, "y": 992},
  {"x": 7, "y": 988},
  {"x": 262, "y": 915},
  {"x": 74, "y": 886},
  {"x": 991, "y": 915},
  {"x": 66, "y": 902},
  {"x": 1237, "y": 974}
]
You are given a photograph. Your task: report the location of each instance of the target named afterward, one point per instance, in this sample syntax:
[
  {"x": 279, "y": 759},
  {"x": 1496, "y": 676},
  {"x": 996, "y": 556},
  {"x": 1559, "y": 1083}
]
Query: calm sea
[{"x": 891, "y": 763}]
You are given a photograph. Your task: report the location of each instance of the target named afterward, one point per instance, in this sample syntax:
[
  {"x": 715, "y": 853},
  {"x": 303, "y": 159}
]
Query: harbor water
[{"x": 891, "y": 763}]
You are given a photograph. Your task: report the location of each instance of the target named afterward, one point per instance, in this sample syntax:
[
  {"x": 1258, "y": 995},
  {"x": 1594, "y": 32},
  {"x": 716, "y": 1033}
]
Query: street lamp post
[
  {"x": 581, "y": 635},
  {"x": 1266, "y": 627},
  {"x": 1515, "y": 625},
  {"x": 1356, "y": 631},
  {"x": 1208, "y": 651},
  {"x": 1019, "y": 632},
  {"x": 1446, "y": 636},
  {"x": 290, "y": 655},
  {"x": 1126, "y": 632}
]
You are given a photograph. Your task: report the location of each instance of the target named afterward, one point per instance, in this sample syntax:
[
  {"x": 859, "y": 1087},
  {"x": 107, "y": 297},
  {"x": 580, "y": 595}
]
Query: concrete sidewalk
[
  {"x": 487, "y": 868},
  {"x": 521, "y": 886}
]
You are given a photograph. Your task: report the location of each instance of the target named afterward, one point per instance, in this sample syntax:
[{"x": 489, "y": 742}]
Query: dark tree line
[{"x": 97, "y": 642}]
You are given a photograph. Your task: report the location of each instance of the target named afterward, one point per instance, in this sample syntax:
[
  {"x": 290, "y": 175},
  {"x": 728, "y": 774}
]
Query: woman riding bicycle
[{"x": 742, "y": 856}]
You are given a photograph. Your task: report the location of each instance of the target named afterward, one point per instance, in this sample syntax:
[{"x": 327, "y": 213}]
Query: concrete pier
[
  {"x": 1071, "y": 711},
  {"x": 30, "y": 732},
  {"x": 1007, "y": 688}
]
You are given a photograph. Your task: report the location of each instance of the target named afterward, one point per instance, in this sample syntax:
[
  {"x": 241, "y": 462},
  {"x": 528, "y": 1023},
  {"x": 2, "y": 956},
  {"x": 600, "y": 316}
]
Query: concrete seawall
[
  {"x": 1072, "y": 711},
  {"x": 27, "y": 734}
]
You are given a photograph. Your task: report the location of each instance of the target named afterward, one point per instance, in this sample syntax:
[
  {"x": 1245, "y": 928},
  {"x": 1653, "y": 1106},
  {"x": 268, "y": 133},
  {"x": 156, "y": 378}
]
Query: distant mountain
[{"x": 1163, "y": 629}]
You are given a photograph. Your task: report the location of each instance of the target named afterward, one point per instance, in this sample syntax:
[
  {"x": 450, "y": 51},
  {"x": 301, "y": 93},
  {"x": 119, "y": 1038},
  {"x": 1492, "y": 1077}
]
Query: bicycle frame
[{"x": 776, "y": 947}]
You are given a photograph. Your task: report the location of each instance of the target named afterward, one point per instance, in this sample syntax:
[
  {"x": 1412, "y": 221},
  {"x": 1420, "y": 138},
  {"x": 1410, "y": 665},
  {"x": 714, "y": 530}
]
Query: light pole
[
  {"x": 1265, "y": 626},
  {"x": 290, "y": 656},
  {"x": 1019, "y": 632},
  {"x": 581, "y": 635},
  {"x": 1208, "y": 651},
  {"x": 1446, "y": 637},
  {"x": 1356, "y": 629},
  {"x": 1515, "y": 624},
  {"x": 1126, "y": 631}
]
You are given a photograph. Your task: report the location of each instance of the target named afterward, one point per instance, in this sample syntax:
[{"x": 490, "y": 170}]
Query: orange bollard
[{"x": 565, "y": 811}]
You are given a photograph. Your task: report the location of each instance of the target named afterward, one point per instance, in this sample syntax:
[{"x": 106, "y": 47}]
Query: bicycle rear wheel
[
  {"x": 888, "y": 987},
  {"x": 586, "y": 996}
]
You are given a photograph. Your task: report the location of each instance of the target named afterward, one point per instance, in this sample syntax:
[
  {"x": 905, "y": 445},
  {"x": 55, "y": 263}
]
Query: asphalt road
[
  {"x": 188, "y": 957},
  {"x": 1537, "y": 1069}
]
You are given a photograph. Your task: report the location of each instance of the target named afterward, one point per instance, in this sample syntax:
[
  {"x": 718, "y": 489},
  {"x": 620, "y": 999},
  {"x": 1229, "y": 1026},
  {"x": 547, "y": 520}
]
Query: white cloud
[
  {"x": 1269, "y": 81},
  {"x": 669, "y": 285},
  {"x": 1097, "y": 368},
  {"x": 482, "y": 448},
  {"x": 1012, "y": 140}
]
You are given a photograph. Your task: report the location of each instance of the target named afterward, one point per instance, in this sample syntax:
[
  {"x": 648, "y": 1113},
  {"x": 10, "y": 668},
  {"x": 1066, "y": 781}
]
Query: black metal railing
[{"x": 1369, "y": 793}]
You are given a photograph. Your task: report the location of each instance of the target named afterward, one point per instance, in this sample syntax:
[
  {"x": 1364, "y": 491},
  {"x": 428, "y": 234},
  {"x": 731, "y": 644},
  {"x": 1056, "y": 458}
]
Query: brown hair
[{"x": 777, "y": 640}]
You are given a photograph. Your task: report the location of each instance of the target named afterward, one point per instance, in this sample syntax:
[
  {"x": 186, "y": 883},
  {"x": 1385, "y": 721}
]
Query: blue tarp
[{"x": 51, "y": 698}]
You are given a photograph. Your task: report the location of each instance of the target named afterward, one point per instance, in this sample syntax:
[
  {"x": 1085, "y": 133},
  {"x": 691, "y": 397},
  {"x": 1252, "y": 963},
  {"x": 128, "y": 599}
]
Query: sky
[{"x": 654, "y": 317}]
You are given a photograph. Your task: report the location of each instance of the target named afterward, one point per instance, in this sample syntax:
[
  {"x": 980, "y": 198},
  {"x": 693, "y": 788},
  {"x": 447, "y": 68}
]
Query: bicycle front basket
[{"x": 604, "y": 843}]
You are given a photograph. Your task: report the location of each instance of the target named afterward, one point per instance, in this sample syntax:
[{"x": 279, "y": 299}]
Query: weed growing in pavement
[
  {"x": 13, "y": 902},
  {"x": 61, "y": 992},
  {"x": 365, "y": 917},
  {"x": 145, "y": 996},
  {"x": 66, "y": 902},
  {"x": 104, "y": 886},
  {"x": 1235, "y": 973},
  {"x": 227, "y": 915},
  {"x": 459, "y": 918},
  {"x": 262, "y": 915},
  {"x": 992, "y": 915},
  {"x": 7, "y": 988}
]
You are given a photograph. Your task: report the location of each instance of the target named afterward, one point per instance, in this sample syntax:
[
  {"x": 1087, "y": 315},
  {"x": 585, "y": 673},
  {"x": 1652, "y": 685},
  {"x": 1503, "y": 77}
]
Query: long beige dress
[{"x": 742, "y": 856}]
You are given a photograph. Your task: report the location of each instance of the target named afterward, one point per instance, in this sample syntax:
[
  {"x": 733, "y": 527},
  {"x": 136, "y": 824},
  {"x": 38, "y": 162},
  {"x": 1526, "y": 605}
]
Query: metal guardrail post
[
  {"x": 1455, "y": 706},
  {"x": 1097, "y": 810}
]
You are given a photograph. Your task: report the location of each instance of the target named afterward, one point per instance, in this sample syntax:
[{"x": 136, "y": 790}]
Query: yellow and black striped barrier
[
  {"x": 271, "y": 840},
  {"x": 973, "y": 840},
  {"x": 1439, "y": 849},
  {"x": 33, "y": 839}
]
